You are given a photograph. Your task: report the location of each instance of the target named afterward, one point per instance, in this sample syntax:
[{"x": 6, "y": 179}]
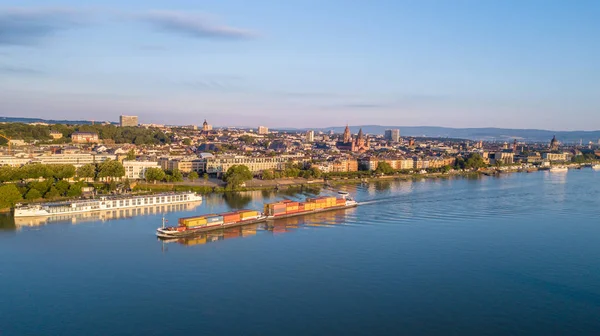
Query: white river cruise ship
[{"x": 104, "y": 203}]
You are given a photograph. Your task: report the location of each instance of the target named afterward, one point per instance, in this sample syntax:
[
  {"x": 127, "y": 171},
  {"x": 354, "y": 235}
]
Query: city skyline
[{"x": 304, "y": 64}]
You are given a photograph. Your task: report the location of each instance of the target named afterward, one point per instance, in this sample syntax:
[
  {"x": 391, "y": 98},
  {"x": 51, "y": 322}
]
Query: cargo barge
[
  {"x": 189, "y": 226},
  {"x": 287, "y": 208}
]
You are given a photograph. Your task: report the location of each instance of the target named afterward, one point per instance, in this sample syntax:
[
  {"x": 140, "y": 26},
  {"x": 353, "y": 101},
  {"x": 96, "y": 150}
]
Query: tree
[
  {"x": 111, "y": 168},
  {"x": 33, "y": 194},
  {"x": 193, "y": 176},
  {"x": 52, "y": 193},
  {"x": 176, "y": 176},
  {"x": 63, "y": 171},
  {"x": 8, "y": 173},
  {"x": 316, "y": 172},
  {"x": 474, "y": 161},
  {"x": 384, "y": 168},
  {"x": 74, "y": 190},
  {"x": 154, "y": 174},
  {"x": 62, "y": 186},
  {"x": 9, "y": 196},
  {"x": 187, "y": 141},
  {"x": 131, "y": 155},
  {"x": 86, "y": 171},
  {"x": 205, "y": 176},
  {"x": 267, "y": 175},
  {"x": 236, "y": 175}
]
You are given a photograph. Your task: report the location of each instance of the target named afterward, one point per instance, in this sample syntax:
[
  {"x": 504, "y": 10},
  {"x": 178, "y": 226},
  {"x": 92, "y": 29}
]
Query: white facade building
[
  {"x": 136, "y": 170},
  {"x": 76, "y": 160}
]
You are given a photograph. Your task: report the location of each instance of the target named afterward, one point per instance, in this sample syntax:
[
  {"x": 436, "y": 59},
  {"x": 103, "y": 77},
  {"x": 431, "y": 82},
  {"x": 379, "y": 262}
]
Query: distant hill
[
  {"x": 50, "y": 121},
  {"x": 486, "y": 134}
]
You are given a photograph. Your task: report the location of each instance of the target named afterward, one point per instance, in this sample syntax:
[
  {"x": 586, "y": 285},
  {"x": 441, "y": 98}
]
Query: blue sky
[{"x": 305, "y": 63}]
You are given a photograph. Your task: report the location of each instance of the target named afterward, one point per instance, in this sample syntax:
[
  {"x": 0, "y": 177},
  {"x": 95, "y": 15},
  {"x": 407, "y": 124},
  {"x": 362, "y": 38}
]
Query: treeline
[
  {"x": 292, "y": 170},
  {"x": 135, "y": 135}
]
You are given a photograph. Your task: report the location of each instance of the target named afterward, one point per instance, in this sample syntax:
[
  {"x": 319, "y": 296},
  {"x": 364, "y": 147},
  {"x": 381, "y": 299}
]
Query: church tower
[{"x": 347, "y": 135}]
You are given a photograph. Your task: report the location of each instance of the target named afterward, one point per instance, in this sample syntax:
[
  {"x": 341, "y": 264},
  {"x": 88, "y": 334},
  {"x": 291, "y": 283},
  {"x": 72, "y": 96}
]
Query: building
[
  {"x": 555, "y": 157},
  {"x": 55, "y": 135},
  {"x": 183, "y": 165},
  {"x": 554, "y": 143},
  {"x": 17, "y": 142},
  {"x": 128, "y": 121},
  {"x": 310, "y": 136},
  {"x": 361, "y": 144},
  {"x": 262, "y": 130},
  {"x": 84, "y": 137},
  {"x": 503, "y": 157},
  {"x": 220, "y": 165},
  {"x": 206, "y": 127},
  {"x": 136, "y": 170},
  {"x": 76, "y": 160},
  {"x": 392, "y": 135},
  {"x": 13, "y": 161}
]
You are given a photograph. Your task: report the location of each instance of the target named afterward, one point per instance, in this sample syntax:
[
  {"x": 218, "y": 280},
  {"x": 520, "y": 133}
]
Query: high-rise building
[
  {"x": 128, "y": 121},
  {"x": 392, "y": 135},
  {"x": 310, "y": 136},
  {"x": 263, "y": 130}
]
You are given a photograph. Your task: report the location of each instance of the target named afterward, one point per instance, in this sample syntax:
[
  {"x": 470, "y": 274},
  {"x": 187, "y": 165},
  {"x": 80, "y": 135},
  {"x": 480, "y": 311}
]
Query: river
[{"x": 516, "y": 254}]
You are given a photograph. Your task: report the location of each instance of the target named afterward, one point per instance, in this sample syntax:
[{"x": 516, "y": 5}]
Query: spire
[
  {"x": 360, "y": 134},
  {"x": 347, "y": 135}
]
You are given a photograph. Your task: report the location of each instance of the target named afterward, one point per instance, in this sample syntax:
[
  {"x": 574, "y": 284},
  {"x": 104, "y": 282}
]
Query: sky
[{"x": 304, "y": 63}]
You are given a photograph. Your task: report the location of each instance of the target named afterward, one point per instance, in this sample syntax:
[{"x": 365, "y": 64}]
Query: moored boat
[
  {"x": 559, "y": 169},
  {"x": 189, "y": 226},
  {"x": 104, "y": 203},
  {"x": 596, "y": 167}
]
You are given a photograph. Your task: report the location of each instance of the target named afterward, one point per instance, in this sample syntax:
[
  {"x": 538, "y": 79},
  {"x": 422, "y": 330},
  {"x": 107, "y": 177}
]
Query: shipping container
[
  {"x": 248, "y": 213},
  {"x": 231, "y": 218},
  {"x": 214, "y": 219}
]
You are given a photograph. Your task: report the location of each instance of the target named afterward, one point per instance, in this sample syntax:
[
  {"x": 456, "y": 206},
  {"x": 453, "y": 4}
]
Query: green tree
[
  {"x": 63, "y": 171},
  {"x": 154, "y": 174},
  {"x": 131, "y": 155},
  {"x": 316, "y": 172},
  {"x": 110, "y": 169},
  {"x": 176, "y": 176},
  {"x": 33, "y": 194},
  {"x": 86, "y": 171},
  {"x": 384, "y": 168},
  {"x": 62, "y": 186},
  {"x": 236, "y": 175},
  {"x": 52, "y": 193},
  {"x": 9, "y": 196},
  {"x": 474, "y": 161},
  {"x": 267, "y": 175},
  {"x": 8, "y": 173},
  {"x": 74, "y": 190},
  {"x": 205, "y": 176},
  {"x": 193, "y": 176},
  {"x": 187, "y": 141}
]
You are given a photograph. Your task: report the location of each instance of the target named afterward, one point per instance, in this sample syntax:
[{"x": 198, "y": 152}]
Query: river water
[{"x": 515, "y": 254}]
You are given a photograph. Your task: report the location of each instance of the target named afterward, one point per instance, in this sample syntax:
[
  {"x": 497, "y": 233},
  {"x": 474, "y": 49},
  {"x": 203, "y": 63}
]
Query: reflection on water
[
  {"x": 103, "y": 215},
  {"x": 236, "y": 200},
  {"x": 279, "y": 226}
]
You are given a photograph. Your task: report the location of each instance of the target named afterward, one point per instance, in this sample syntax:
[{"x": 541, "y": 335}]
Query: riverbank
[{"x": 215, "y": 186}]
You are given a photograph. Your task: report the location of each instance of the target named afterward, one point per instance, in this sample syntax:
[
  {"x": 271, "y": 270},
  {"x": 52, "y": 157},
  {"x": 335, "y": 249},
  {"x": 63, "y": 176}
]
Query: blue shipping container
[{"x": 214, "y": 219}]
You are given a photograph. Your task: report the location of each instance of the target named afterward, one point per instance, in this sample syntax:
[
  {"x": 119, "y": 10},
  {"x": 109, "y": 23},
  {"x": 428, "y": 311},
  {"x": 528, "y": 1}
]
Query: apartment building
[
  {"x": 183, "y": 165},
  {"x": 554, "y": 157},
  {"x": 84, "y": 137},
  {"x": 136, "y": 170},
  {"x": 76, "y": 160},
  {"x": 219, "y": 165},
  {"x": 13, "y": 161},
  {"x": 128, "y": 121}
]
